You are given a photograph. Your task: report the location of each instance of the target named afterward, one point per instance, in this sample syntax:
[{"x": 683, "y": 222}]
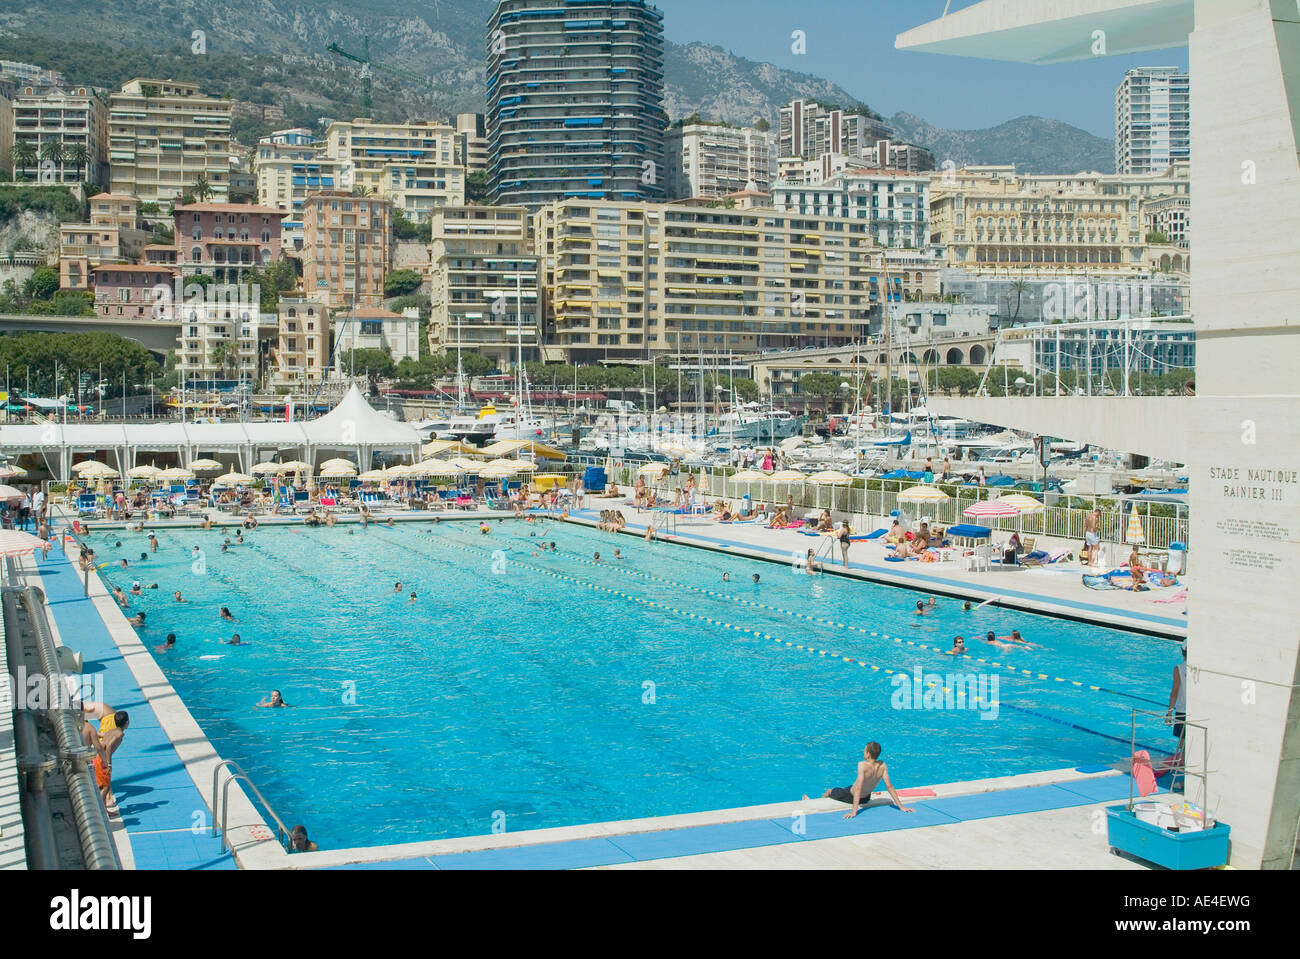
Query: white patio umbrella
[
  {"x": 9, "y": 492},
  {"x": 923, "y": 494},
  {"x": 339, "y": 464},
  {"x": 295, "y": 466},
  {"x": 175, "y": 473},
  {"x": 87, "y": 468},
  {"x": 436, "y": 447},
  {"x": 338, "y": 472},
  {"x": 9, "y": 470},
  {"x": 514, "y": 466},
  {"x": 435, "y": 467},
  {"x": 828, "y": 478},
  {"x": 143, "y": 472},
  {"x": 232, "y": 479},
  {"x": 267, "y": 469},
  {"x": 373, "y": 476},
  {"x": 206, "y": 466}
]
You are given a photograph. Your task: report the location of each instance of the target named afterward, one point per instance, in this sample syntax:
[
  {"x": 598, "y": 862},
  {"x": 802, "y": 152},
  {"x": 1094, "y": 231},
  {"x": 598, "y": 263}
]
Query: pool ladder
[{"x": 239, "y": 775}]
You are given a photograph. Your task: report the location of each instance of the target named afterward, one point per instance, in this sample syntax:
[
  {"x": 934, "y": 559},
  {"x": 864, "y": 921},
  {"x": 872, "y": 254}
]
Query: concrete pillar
[{"x": 1244, "y": 639}]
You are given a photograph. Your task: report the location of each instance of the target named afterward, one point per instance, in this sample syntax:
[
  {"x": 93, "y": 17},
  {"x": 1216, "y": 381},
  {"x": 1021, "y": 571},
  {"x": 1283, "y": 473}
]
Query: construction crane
[{"x": 367, "y": 65}]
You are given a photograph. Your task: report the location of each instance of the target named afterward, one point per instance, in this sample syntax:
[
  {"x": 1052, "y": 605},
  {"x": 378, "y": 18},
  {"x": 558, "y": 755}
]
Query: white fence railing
[{"x": 1057, "y": 521}]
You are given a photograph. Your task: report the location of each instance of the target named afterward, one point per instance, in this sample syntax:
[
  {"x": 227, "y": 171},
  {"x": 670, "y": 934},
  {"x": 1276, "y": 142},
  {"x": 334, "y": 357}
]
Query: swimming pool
[{"x": 523, "y": 691}]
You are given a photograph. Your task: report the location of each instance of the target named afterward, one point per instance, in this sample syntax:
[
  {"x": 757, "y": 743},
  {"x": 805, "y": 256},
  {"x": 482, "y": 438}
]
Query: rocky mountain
[
  {"x": 1033, "y": 144},
  {"x": 274, "y": 51}
]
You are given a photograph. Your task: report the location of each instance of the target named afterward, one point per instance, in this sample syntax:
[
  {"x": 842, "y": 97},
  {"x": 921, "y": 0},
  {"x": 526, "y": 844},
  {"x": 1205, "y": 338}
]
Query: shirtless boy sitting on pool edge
[{"x": 871, "y": 771}]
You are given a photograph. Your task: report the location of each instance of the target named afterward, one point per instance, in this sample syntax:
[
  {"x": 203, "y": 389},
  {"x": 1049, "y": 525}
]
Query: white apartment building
[
  {"x": 76, "y": 118},
  {"x": 164, "y": 135},
  {"x": 364, "y": 149},
  {"x": 471, "y": 142},
  {"x": 713, "y": 160},
  {"x": 221, "y": 341},
  {"x": 418, "y": 188},
  {"x": 375, "y": 328},
  {"x": 896, "y": 205},
  {"x": 1152, "y": 120},
  {"x": 290, "y": 165},
  {"x": 810, "y": 130}
]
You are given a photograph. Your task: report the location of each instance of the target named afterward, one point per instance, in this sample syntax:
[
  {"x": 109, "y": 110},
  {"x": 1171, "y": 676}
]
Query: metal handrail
[
  {"x": 239, "y": 775},
  {"x": 76, "y": 757}
]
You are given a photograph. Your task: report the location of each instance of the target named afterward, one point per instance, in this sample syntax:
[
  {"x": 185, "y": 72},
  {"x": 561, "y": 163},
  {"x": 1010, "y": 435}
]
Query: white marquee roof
[{"x": 353, "y": 423}]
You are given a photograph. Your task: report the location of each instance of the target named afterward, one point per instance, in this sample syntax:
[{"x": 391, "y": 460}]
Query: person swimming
[
  {"x": 991, "y": 638},
  {"x": 137, "y": 619},
  {"x": 226, "y": 614},
  {"x": 726, "y": 577},
  {"x": 967, "y": 606},
  {"x": 958, "y": 647},
  {"x": 234, "y": 640},
  {"x": 168, "y": 645},
  {"x": 275, "y": 702},
  {"x": 755, "y": 579},
  {"x": 922, "y": 608},
  {"x": 177, "y": 596},
  {"x": 413, "y": 597},
  {"x": 397, "y": 587}
]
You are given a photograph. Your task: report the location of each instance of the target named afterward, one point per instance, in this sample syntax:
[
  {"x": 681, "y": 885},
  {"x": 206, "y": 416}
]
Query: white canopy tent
[{"x": 354, "y": 426}]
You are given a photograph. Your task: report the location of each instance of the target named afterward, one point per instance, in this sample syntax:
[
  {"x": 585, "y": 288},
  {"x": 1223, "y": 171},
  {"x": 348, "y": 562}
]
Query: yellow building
[
  {"x": 303, "y": 348},
  {"x": 345, "y": 248},
  {"x": 414, "y": 164},
  {"x": 989, "y": 218},
  {"x": 483, "y": 283},
  {"x": 163, "y": 135},
  {"x": 628, "y": 281}
]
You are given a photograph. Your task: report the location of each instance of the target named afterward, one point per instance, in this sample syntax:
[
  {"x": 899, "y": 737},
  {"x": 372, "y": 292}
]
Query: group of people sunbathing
[{"x": 906, "y": 543}]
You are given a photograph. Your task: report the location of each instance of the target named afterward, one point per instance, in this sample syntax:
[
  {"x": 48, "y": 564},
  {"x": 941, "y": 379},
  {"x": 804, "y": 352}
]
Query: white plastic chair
[{"x": 980, "y": 558}]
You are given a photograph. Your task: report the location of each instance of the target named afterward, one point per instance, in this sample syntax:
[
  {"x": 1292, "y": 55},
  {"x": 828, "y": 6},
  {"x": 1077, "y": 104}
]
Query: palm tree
[
  {"x": 24, "y": 155},
  {"x": 1020, "y": 287},
  {"x": 79, "y": 156},
  {"x": 202, "y": 189},
  {"x": 52, "y": 152}
]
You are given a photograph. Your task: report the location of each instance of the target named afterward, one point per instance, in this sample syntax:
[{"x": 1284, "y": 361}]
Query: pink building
[
  {"x": 224, "y": 240},
  {"x": 128, "y": 290}
]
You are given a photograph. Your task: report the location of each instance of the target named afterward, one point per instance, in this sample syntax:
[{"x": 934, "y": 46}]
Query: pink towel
[{"x": 1143, "y": 773}]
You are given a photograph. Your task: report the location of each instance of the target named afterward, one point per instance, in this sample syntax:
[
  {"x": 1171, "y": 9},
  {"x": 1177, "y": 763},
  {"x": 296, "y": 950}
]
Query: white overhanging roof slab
[{"x": 1054, "y": 31}]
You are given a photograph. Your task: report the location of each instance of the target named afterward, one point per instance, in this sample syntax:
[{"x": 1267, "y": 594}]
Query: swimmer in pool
[
  {"x": 958, "y": 647},
  {"x": 168, "y": 646},
  {"x": 992, "y": 639},
  {"x": 617, "y": 553},
  {"x": 967, "y": 606},
  {"x": 596, "y": 557},
  {"x": 726, "y": 577},
  {"x": 922, "y": 608},
  {"x": 755, "y": 579},
  {"x": 226, "y": 614},
  {"x": 397, "y": 587},
  {"x": 275, "y": 702},
  {"x": 234, "y": 641},
  {"x": 137, "y": 619},
  {"x": 412, "y": 599},
  {"x": 177, "y": 596}
]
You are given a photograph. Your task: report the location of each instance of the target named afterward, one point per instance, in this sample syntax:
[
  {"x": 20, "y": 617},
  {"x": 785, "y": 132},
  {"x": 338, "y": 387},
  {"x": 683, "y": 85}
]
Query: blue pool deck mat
[
  {"x": 156, "y": 797},
  {"x": 758, "y": 833}
]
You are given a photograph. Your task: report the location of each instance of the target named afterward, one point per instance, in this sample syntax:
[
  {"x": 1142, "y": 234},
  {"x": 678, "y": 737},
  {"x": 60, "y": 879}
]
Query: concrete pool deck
[{"x": 1047, "y": 819}]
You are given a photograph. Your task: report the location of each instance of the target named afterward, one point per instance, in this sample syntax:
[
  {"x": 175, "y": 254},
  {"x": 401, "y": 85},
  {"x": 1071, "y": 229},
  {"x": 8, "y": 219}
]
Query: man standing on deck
[{"x": 1091, "y": 537}]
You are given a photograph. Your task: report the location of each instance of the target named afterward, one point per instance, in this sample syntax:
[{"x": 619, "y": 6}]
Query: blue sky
[{"x": 851, "y": 42}]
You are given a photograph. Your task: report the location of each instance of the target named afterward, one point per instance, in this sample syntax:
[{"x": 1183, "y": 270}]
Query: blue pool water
[{"x": 523, "y": 691}]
